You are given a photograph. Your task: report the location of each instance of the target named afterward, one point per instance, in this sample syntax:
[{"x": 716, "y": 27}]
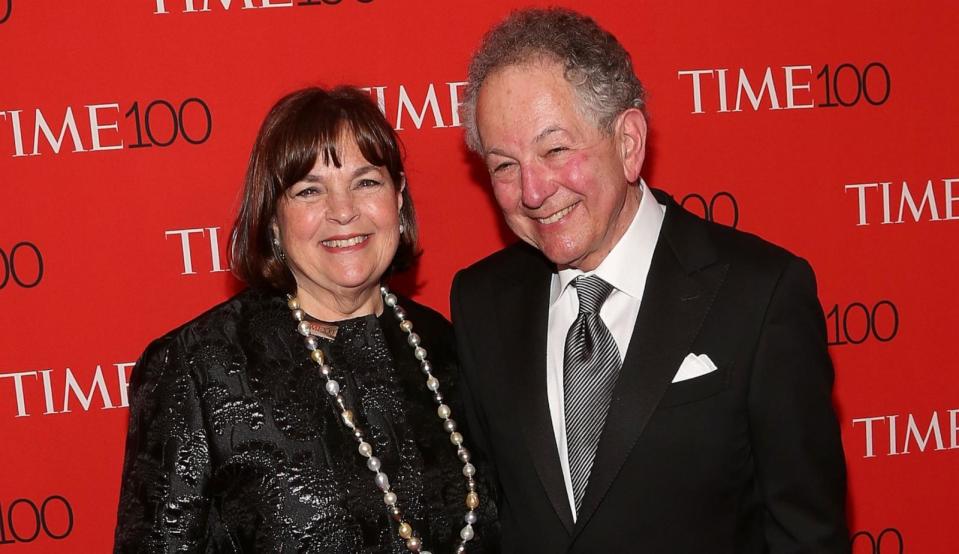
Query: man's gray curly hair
[{"x": 595, "y": 63}]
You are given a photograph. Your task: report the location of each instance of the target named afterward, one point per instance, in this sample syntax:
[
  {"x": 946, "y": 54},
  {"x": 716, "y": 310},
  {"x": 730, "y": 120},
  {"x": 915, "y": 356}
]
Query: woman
[{"x": 311, "y": 412}]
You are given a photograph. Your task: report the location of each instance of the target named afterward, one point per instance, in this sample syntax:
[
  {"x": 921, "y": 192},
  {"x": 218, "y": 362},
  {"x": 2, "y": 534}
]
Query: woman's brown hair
[{"x": 300, "y": 127}]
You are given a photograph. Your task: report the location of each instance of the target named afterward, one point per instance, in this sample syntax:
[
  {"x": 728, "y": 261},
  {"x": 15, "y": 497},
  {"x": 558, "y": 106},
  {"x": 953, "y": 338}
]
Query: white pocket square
[{"x": 694, "y": 366}]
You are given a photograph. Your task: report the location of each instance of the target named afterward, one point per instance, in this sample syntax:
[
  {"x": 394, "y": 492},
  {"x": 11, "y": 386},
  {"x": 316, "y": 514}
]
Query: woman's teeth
[{"x": 343, "y": 243}]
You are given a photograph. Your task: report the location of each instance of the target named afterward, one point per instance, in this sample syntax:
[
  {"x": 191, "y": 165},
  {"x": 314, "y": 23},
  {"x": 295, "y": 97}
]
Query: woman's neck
[{"x": 346, "y": 304}]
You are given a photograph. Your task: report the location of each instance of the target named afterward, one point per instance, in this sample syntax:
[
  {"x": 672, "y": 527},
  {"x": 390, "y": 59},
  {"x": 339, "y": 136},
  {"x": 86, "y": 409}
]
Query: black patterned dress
[{"x": 235, "y": 446}]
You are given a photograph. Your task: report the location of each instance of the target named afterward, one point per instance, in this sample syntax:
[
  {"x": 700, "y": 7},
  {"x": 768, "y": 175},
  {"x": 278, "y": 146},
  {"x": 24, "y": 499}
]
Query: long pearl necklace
[{"x": 413, "y": 542}]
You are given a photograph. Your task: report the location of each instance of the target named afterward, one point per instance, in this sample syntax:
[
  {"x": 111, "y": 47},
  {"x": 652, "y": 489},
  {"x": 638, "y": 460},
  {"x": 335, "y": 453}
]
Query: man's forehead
[{"x": 540, "y": 65}]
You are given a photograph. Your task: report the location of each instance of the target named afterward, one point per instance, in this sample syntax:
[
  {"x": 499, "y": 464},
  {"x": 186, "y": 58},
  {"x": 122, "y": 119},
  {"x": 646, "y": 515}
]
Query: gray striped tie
[{"x": 590, "y": 369}]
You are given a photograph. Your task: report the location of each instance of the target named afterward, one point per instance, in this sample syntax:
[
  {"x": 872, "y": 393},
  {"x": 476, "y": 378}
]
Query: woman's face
[{"x": 339, "y": 226}]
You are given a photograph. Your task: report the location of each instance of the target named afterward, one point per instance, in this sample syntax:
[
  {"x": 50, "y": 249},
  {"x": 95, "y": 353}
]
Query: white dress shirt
[{"x": 625, "y": 268}]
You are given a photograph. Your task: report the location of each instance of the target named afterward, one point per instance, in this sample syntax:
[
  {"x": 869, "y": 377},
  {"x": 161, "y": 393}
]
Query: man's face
[{"x": 562, "y": 183}]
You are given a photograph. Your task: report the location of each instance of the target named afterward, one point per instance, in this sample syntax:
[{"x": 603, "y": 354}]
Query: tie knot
[{"x": 592, "y": 292}]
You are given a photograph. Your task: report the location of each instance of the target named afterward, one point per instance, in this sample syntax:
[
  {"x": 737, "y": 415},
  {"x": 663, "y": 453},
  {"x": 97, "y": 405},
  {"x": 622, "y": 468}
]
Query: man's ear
[{"x": 631, "y": 133}]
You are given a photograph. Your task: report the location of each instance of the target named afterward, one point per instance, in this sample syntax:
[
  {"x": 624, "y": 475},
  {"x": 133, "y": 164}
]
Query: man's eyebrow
[
  {"x": 538, "y": 138},
  {"x": 547, "y": 131}
]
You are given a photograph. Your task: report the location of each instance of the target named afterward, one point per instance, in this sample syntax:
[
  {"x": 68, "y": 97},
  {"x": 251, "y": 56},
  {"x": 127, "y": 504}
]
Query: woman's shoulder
[
  {"x": 422, "y": 315},
  {"x": 433, "y": 328},
  {"x": 225, "y": 316},
  {"x": 223, "y": 323}
]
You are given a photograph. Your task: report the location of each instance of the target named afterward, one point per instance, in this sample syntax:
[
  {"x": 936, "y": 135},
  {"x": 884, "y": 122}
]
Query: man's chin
[{"x": 563, "y": 257}]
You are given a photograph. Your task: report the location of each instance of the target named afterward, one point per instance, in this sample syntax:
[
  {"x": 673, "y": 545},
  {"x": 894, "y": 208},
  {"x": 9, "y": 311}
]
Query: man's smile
[{"x": 557, "y": 215}]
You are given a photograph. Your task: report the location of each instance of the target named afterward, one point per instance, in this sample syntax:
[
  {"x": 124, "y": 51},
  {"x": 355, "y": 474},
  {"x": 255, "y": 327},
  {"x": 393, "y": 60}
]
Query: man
[{"x": 642, "y": 381}]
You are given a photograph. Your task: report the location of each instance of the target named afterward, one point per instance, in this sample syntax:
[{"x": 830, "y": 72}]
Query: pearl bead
[
  {"x": 426, "y": 366},
  {"x": 469, "y": 470},
  {"x": 406, "y": 325},
  {"x": 413, "y": 544},
  {"x": 325, "y": 370},
  {"x": 405, "y": 530},
  {"x": 470, "y": 517},
  {"x": 293, "y": 303},
  {"x": 399, "y": 312},
  {"x": 467, "y": 533},
  {"x": 319, "y": 358},
  {"x": 347, "y": 416},
  {"x": 419, "y": 353},
  {"x": 373, "y": 463},
  {"x": 382, "y": 481},
  {"x": 449, "y": 425},
  {"x": 456, "y": 438},
  {"x": 413, "y": 339},
  {"x": 438, "y": 397},
  {"x": 461, "y": 549},
  {"x": 443, "y": 411},
  {"x": 298, "y": 315},
  {"x": 463, "y": 454},
  {"x": 304, "y": 328},
  {"x": 389, "y": 498},
  {"x": 472, "y": 500},
  {"x": 332, "y": 387},
  {"x": 365, "y": 449},
  {"x": 432, "y": 383},
  {"x": 390, "y": 300},
  {"x": 311, "y": 343},
  {"x": 341, "y": 402}
]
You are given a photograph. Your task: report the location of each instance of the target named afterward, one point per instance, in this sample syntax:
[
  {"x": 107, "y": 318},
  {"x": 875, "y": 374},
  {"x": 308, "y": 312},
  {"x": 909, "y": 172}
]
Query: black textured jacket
[{"x": 235, "y": 446}]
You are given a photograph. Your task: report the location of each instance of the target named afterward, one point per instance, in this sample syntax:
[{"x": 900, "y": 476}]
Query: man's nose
[
  {"x": 341, "y": 207},
  {"x": 537, "y": 185}
]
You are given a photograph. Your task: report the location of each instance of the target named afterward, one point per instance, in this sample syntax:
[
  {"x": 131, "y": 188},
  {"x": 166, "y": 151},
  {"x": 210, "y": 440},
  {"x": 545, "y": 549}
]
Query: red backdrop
[{"x": 125, "y": 125}]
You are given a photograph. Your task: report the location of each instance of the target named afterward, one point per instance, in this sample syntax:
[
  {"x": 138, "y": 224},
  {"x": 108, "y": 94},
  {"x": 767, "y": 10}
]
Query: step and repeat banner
[{"x": 125, "y": 126}]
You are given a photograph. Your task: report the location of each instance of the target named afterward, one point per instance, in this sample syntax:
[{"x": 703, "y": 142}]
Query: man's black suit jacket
[{"x": 746, "y": 459}]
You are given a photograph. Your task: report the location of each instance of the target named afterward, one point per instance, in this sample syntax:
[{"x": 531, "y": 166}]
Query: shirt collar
[{"x": 627, "y": 264}]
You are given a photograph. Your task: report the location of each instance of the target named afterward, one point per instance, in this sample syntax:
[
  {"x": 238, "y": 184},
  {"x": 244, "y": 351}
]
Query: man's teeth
[
  {"x": 556, "y": 216},
  {"x": 343, "y": 243}
]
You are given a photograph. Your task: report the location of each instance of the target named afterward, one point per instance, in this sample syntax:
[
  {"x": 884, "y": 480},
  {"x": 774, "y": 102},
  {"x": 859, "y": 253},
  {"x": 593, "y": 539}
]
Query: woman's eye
[
  {"x": 308, "y": 191},
  {"x": 364, "y": 183}
]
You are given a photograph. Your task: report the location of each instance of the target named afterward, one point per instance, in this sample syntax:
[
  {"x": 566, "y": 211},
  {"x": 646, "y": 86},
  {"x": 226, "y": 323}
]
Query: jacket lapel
[
  {"x": 523, "y": 315},
  {"x": 682, "y": 283}
]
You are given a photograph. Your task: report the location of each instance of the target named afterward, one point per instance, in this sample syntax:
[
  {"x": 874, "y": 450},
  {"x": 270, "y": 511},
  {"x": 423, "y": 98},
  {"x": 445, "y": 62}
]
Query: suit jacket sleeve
[
  {"x": 798, "y": 451},
  {"x": 468, "y": 391},
  {"x": 166, "y": 467}
]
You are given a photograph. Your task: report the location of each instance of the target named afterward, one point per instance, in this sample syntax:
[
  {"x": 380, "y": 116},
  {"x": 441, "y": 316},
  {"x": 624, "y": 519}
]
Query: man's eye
[
  {"x": 556, "y": 150},
  {"x": 502, "y": 167}
]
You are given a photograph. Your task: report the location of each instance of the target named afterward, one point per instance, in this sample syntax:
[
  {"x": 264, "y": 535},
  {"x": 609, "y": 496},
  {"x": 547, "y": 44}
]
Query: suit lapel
[
  {"x": 681, "y": 285},
  {"x": 523, "y": 317}
]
